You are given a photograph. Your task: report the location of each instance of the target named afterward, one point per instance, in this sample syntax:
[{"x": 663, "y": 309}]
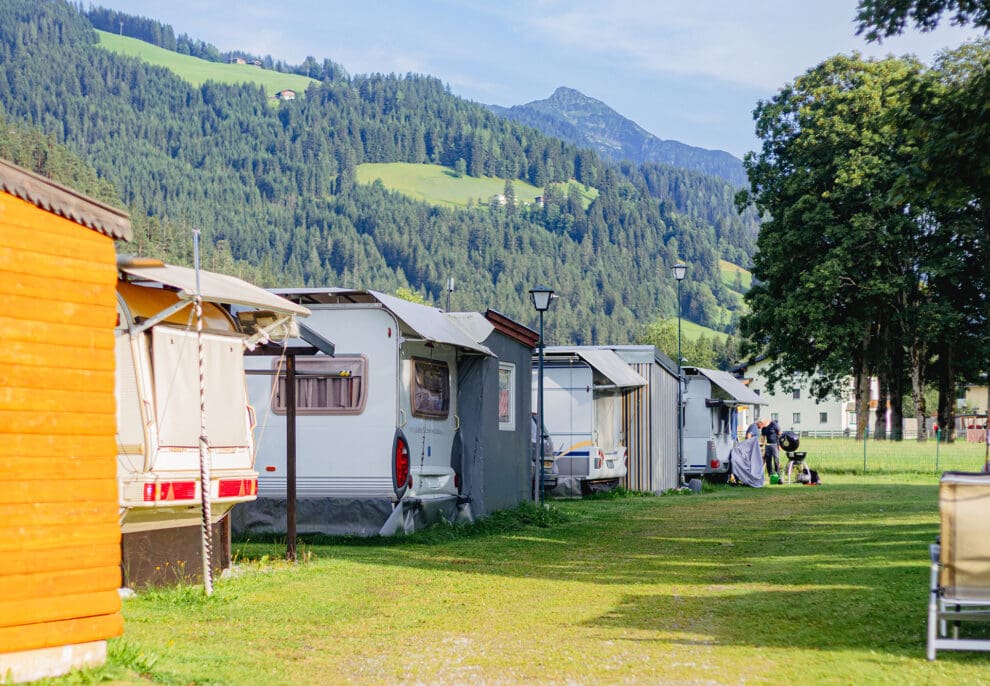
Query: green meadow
[
  {"x": 197, "y": 71},
  {"x": 440, "y": 185},
  {"x": 779, "y": 585}
]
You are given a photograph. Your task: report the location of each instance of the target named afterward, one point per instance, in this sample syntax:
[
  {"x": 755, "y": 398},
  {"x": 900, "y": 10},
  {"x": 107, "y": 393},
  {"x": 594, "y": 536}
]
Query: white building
[{"x": 793, "y": 405}]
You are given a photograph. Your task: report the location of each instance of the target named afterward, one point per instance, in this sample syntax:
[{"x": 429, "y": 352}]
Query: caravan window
[
  {"x": 506, "y": 396},
  {"x": 430, "y": 392},
  {"x": 326, "y": 385}
]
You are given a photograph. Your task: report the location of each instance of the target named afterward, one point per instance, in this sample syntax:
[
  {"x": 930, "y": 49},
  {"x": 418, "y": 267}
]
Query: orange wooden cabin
[{"x": 59, "y": 507}]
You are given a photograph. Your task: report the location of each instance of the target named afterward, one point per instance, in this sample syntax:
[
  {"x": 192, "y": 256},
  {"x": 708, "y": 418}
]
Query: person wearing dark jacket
[{"x": 771, "y": 453}]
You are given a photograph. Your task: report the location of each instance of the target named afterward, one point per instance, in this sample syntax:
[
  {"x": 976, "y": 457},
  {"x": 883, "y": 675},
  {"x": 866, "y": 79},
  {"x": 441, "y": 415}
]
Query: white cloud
[{"x": 759, "y": 45}]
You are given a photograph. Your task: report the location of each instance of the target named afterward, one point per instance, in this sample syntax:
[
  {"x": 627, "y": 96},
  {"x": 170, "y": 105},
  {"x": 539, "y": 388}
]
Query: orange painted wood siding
[{"x": 59, "y": 526}]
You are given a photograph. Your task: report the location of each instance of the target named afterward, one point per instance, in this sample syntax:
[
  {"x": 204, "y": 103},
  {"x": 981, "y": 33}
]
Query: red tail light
[
  {"x": 237, "y": 488},
  {"x": 457, "y": 481},
  {"x": 401, "y": 463},
  {"x": 169, "y": 490},
  {"x": 715, "y": 464},
  {"x": 599, "y": 459}
]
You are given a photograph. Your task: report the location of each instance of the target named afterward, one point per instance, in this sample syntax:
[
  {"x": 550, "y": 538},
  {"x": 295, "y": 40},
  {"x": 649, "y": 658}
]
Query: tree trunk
[
  {"x": 946, "y": 396},
  {"x": 861, "y": 380},
  {"x": 896, "y": 392},
  {"x": 880, "y": 417},
  {"x": 918, "y": 358}
]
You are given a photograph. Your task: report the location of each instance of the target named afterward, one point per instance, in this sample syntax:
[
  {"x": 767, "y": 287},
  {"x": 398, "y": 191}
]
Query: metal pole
[
  {"x": 680, "y": 399},
  {"x": 539, "y": 407},
  {"x": 290, "y": 457},
  {"x": 206, "y": 550}
]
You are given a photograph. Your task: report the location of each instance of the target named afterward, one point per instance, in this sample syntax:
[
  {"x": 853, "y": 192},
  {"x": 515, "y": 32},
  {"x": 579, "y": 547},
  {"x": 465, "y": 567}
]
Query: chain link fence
[{"x": 846, "y": 455}]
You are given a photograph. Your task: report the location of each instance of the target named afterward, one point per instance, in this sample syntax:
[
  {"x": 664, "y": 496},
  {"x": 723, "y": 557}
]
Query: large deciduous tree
[
  {"x": 839, "y": 287},
  {"x": 884, "y": 18}
]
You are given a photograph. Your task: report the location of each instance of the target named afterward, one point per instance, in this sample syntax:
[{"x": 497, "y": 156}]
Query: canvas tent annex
[
  {"x": 496, "y": 415},
  {"x": 582, "y": 411},
  {"x": 711, "y": 400},
  {"x": 378, "y": 437},
  {"x": 158, "y": 386}
]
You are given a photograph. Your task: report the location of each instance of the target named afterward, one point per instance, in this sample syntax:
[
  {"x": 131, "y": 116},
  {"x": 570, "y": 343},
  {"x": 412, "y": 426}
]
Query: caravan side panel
[
  {"x": 568, "y": 413},
  {"x": 343, "y": 459}
]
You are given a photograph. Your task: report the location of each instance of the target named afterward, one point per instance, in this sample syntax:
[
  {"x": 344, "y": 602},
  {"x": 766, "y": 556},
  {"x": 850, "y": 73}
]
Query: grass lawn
[
  {"x": 198, "y": 71},
  {"x": 846, "y": 455},
  {"x": 440, "y": 185},
  {"x": 692, "y": 331},
  {"x": 781, "y": 585},
  {"x": 729, "y": 278}
]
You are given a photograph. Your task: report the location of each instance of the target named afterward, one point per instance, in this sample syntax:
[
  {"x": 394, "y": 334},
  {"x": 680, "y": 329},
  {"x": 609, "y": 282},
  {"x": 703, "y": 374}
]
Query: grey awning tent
[
  {"x": 606, "y": 363},
  {"x": 733, "y": 389}
]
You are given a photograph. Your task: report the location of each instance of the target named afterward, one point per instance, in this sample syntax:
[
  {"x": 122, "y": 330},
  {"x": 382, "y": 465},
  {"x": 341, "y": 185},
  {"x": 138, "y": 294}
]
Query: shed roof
[
  {"x": 605, "y": 362},
  {"x": 512, "y": 329},
  {"x": 730, "y": 384},
  {"x": 63, "y": 201}
]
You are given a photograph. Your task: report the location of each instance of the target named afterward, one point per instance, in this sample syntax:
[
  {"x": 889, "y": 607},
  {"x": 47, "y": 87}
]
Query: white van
[{"x": 378, "y": 446}]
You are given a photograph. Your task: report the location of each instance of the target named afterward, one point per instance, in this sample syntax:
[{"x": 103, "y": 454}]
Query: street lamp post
[
  {"x": 680, "y": 271},
  {"x": 541, "y": 296}
]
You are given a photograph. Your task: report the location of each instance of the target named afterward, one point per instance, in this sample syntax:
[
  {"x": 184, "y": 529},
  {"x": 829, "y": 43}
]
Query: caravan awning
[
  {"x": 433, "y": 324},
  {"x": 217, "y": 288},
  {"x": 732, "y": 386},
  {"x": 606, "y": 363}
]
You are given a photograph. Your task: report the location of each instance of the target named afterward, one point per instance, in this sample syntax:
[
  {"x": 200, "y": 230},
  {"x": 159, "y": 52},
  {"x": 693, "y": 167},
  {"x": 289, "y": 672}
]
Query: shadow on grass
[{"x": 838, "y": 536}]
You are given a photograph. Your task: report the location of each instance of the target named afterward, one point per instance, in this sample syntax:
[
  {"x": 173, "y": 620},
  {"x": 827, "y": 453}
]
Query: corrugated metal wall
[
  {"x": 59, "y": 528},
  {"x": 649, "y": 420}
]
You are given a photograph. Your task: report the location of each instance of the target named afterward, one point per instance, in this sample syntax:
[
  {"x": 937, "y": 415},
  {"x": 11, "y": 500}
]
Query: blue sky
[{"x": 692, "y": 72}]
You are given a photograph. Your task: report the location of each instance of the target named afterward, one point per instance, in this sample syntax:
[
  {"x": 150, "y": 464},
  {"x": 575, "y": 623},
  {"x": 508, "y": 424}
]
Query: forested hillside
[
  {"x": 274, "y": 190},
  {"x": 574, "y": 117}
]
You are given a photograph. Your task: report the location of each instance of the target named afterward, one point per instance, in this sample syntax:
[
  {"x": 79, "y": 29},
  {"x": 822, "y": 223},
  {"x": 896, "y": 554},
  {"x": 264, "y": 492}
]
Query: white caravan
[
  {"x": 711, "y": 402},
  {"x": 582, "y": 411},
  {"x": 378, "y": 445},
  {"x": 158, "y": 390}
]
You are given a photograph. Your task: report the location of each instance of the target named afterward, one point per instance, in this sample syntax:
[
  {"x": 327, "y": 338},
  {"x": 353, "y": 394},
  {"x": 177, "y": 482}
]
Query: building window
[
  {"x": 796, "y": 393},
  {"x": 430, "y": 392},
  {"x": 823, "y": 417},
  {"x": 775, "y": 416},
  {"x": 506, "y": 396},
  {"x": 796, "y": 418},
  {"x": 332, "y": 385}
]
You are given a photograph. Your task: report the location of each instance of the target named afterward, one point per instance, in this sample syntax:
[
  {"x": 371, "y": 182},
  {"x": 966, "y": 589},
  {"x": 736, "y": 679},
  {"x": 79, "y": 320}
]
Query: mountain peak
[{"x": 577, "y": 118}]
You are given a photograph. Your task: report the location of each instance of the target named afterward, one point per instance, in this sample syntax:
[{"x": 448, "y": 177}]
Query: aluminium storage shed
[
  {"x": 59, "y": 528},
  {"x": 649, "y": 419}
]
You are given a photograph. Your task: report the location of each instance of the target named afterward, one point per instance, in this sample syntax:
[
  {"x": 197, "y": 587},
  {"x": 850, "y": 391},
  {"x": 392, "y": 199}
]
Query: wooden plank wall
[{"x": 59, "y": 528}]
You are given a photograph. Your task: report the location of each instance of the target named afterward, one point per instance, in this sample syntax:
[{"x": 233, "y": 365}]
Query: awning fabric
[
  {"x": 429, "y": 323},
  {"x": 606, "y": 363},
  {"x": 217, "y": 288},
  {"x": 732, "y": 386}
]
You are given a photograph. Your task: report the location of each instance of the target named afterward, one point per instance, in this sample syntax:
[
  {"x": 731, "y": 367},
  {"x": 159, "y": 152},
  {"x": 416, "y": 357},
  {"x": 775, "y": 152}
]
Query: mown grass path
[{"x": 786, "y": 584}]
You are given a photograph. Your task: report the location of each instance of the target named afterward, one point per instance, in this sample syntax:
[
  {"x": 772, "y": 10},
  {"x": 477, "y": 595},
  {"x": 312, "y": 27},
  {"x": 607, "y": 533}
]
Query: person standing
[
  {"x": 754, "y": 429},
  {"x": 771, "y": 453}
]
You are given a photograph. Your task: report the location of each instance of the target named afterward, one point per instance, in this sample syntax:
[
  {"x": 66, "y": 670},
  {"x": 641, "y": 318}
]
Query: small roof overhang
[
  {"x": 729, "y": 384},
  {"x": 217, "y": 288},
  {"x": 429, "y": 323},
  {"x": 605, "y": 362}
]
